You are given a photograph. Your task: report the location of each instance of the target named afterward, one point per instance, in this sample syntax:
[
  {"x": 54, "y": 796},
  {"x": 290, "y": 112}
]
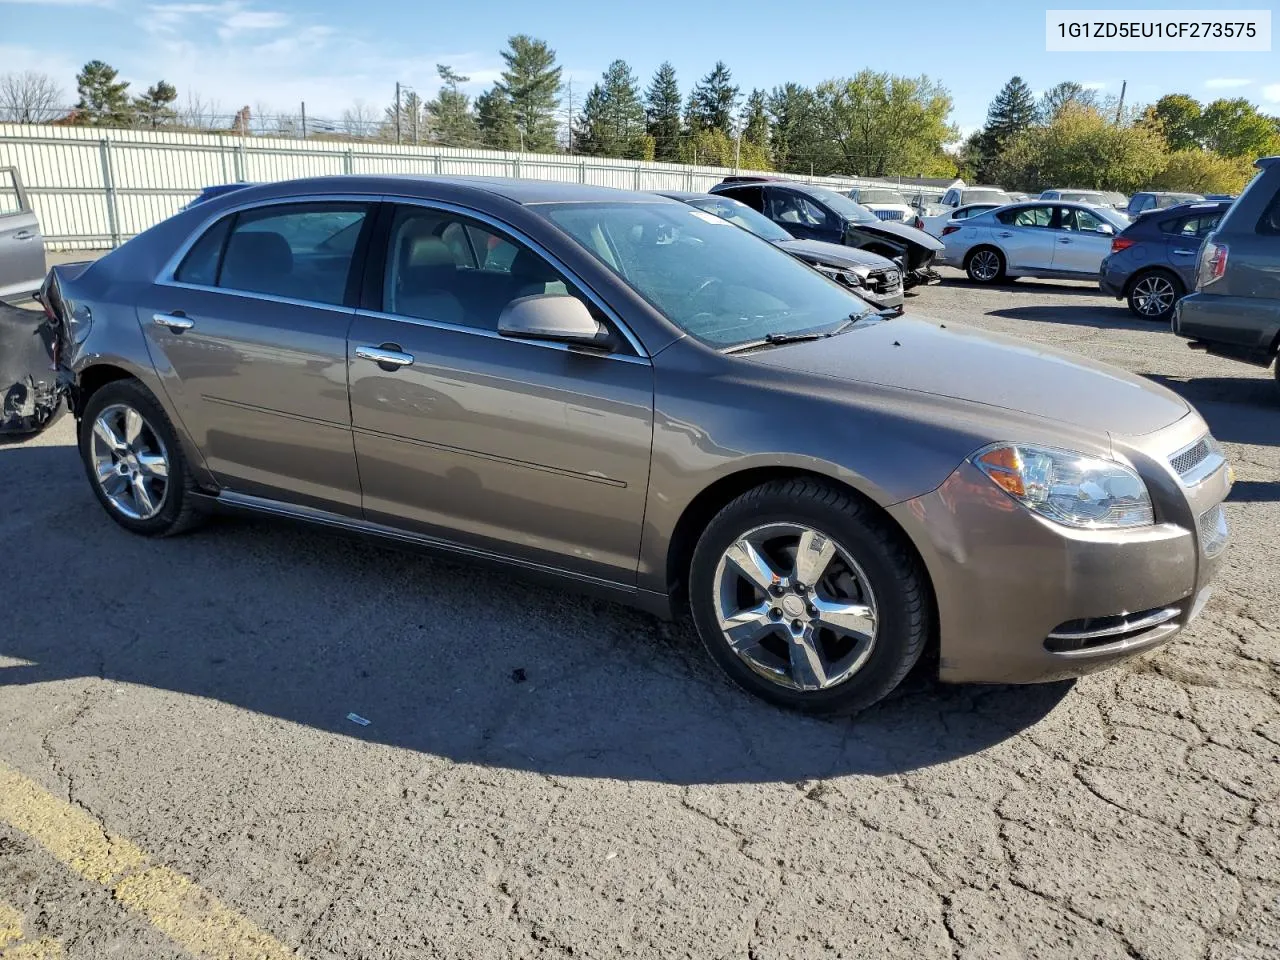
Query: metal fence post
[
  {"x": 637, "y": 178},
  {"x": 240, "y": 173},
  {"x": 348, "y": 162},
  {"x": 582, "y": 172},
  {"x": 438, "y": 160},
  {"x": 515, "y": 168},
  {"x": 689, "y": 176},
  {"x": 109, "y": 186}
]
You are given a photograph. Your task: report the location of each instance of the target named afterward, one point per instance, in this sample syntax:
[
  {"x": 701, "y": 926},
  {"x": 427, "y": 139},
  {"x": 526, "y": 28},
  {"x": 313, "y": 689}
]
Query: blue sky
[{"x": 271, "y": 54}]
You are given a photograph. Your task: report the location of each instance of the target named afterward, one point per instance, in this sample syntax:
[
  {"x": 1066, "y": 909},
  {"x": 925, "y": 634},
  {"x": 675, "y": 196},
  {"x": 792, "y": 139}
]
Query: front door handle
[
  {"x": 23, "y": 235},
  {"x": 1005, "y": 233},
  {"x": 388, "y": 356},
  {"x": 176, "y": 321},
  {"x": 1064, "y": 240}
]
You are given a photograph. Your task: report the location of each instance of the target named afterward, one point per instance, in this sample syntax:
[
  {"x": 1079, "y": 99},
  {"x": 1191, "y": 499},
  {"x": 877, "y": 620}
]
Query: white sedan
[
  {"x": 885, "y": 204},
  {"x": 1064, "y": 241},
  {"x": 934, "y": 223}
]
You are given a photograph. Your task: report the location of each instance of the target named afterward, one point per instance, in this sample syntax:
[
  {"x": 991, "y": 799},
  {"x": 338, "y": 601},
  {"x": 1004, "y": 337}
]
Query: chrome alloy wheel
[
  {"x": 985, "y": 265},
  {"x": 1153, "y": 296},
  {"x": 130, "y": 463},
  {"x": 794, "y": 606}
]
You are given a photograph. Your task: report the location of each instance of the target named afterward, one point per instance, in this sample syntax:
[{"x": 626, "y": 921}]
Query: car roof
[
  {"x": 1263, "y": 163},
  {"x": 687, "y": 195},
  {"x": 517, "y": 191}
]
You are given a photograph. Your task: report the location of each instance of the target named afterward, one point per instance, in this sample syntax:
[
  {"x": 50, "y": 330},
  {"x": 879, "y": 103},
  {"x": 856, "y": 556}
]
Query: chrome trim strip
[
  {"x": 492, "y": 457},
  {"x": 493, "y": 334},
  {"x": 1153, "y": 619},
  {"x": 264, "y": 505}
]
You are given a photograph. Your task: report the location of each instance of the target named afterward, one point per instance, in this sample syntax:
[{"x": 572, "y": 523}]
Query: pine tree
[
  {"x": 797, "y": 141},
  {"x": 713, "y": 101},
  {"x": 104, "y": 100},
  {"x": 155, "y": 107},
  {"x": 452, "y": 122},
  {"x": 1063, "y": 95},
  {"x": 1012, "y": 111},
  {"x": 497, "y": 121},
  {"x": 613, "y": 120},
  {"x": 414, "y": 121},
  {"x": 662, "y": 113},
  {"x": 755, "y": 121},
  {"x": 531, "y": 85}
]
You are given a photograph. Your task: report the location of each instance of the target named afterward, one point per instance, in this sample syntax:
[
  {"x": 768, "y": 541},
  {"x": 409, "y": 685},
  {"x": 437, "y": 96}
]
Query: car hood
[
  {"x": 902, "y": 232},
  {"x": 835, "y": 254},
  {"x": 972, "y": 365}
]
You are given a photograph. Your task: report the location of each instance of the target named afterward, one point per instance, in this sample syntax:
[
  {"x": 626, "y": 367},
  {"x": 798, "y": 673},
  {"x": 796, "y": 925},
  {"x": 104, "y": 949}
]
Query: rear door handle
[
  {"x": 1005, "y": 233},
  {"x": 388, "y": 356},
  {"x": 23, "y": 235},
  {"x": 1064, "y": 239},
  {"x": 176, "y": 321}
]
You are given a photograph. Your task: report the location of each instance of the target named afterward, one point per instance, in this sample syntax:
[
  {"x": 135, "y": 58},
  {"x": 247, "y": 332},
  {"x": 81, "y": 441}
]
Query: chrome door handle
[
  {"x": 1005, "y": 233},
  {"x": 385, "y": 357},
  {"x": 174, "y": 321},
  {"x": 23, "y": 235},
  {"x": 1064, "y": 240}
]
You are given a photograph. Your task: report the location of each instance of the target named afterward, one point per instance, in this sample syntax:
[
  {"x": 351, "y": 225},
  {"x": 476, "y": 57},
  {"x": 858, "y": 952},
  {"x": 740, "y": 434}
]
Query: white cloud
[
  {"x": 1271, "y": 92},
  {"x": 1094, "y": 85},
  {"x": 1226, "y": 83}
]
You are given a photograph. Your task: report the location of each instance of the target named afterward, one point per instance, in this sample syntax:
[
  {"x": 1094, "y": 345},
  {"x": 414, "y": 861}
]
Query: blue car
[
  {"x": 1152, "y": 263},
  {"x": 217, "y": 190}
]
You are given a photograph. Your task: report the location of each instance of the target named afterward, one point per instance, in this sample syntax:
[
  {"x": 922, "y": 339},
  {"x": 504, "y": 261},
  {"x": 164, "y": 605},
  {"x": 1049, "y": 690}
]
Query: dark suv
[
  {"x": 1235, "y": 310},
  {"x": 816, "y": 213},
  {"x": 1153, "y": 260}
]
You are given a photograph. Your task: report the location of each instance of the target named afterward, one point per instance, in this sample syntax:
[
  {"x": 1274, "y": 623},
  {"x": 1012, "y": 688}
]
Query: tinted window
[
  {"x": 10, "y": 201},
  {"x": 201, "y": 262},
  {"x": 301, "y": 251},
  {"x": 718, "y": 283},
  {"x": 743, "y": 216},
  {"x": 791, "y": 207},
  {"x": 446, "y": 268},
  {"x": 1027, "y": 216},
  {"x": 1269, "y": 222},
  {"x": 753, "y": 197}
]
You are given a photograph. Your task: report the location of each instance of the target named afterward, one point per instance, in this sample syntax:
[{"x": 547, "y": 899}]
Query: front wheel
[
  {"x": 985, "y": 265},
  {"x": 807, "y": 598},
  {"x": 134, "y": 461}
]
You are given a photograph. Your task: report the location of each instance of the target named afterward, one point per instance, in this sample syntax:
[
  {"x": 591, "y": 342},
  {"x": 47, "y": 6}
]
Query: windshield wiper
[
  {"x": 794, "y": 337},
  {"x": 773, "y": 339}
]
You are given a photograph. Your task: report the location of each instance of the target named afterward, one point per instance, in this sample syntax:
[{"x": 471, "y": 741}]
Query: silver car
[
  {"x": 21, "y": 245},
  {"x": 634, "y": 397},
  {"x": 1065, "y": 241}
]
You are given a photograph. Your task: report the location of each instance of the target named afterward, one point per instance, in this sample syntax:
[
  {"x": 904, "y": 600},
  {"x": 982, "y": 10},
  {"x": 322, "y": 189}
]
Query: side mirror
[
  {"x": 1106, "y": 229},
  {"x": 556, "y": 317}
]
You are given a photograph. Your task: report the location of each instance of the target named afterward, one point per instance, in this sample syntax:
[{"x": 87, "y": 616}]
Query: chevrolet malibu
[{"x": 628, "y": 395}]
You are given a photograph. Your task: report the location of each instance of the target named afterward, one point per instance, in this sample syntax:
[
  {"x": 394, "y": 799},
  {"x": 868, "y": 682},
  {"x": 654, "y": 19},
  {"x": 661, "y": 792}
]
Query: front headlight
[
  {"x": 1068, "y": 488},
  {"x": 840, "y": 275}
]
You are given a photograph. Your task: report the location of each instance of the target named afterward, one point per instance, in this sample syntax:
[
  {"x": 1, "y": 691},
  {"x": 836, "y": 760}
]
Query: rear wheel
[
  {"x": 134, "y": 461},
  {"x": 808, "y": 599},
  {"x": 1153, "y": 294},
  {"x": 985, "y": 265}
]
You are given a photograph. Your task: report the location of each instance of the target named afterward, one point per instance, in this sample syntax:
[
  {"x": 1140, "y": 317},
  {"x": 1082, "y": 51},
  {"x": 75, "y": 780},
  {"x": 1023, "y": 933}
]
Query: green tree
[
  {"x": 1012, "y": 111},
  {"x": 662, "y": 113},
  {"x": 155, "y": 107},
  {"x": 414, "y": 121},
  {"x": 1178, "y": 117},
  {"x": 1082, "y": 148},
  {"x": 1234, "y": 128},
  {"x": 715, "y": 148},
  {"x": 713, "y": 101},
  {"x": 797, "y": 141},
  {"x": 531, "y": 85},
  {"x": 613, "y": 119},
  {"x": 452, "y": 122},
  {"x": 1202, "y": 171},
  {"x": 104, "y": 100},
  {"x": 497, "y": 121},
  {"x": 755, "y": 121},
  {"x": 884, "y": 124},
  {"x": 1067, "y": 94}
]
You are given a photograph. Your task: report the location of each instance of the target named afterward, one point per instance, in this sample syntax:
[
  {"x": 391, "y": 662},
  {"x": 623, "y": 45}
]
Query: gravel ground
[{"x": 546, "y": 775}]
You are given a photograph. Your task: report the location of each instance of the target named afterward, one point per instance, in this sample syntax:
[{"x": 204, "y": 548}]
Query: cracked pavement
[{"x": 191, "y": 695}]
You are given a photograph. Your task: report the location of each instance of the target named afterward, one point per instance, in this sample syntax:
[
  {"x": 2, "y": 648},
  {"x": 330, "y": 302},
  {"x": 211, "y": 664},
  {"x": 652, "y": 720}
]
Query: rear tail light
[
  {"x": 950, "y": 229},
  {"x": 1212, "y": 265},
  {"x": 1121, "y": 243}
]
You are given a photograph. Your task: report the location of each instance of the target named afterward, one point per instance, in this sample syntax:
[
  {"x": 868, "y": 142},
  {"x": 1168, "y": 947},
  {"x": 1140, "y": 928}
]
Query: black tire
[
  {"x": 976, "y": 271},
  {"x": 1158, "y": 280},
  {"x": 178, "y": 510},
  {"x": 891, "y": 568}
]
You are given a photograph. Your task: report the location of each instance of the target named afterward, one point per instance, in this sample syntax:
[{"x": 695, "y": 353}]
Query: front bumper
[{"x": 1024, "y": 600}]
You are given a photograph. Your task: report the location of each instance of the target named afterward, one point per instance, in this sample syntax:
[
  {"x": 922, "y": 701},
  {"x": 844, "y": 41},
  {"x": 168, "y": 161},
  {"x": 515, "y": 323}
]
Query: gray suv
[{"x": 1235, "y": 309}]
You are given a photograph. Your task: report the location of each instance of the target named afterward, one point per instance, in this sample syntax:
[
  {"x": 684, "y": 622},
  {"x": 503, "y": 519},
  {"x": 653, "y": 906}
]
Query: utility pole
[
  {"x": 737, "y": 152},
  {"x": 397, "y": 111},
  {"x": 304, "y": 119},
  {"x": 571, "y": 117},
  {"x": 1120, "y": 109}
]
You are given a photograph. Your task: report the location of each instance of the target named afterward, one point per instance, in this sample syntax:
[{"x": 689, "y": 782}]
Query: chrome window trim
[
  {"x": 509, "y": 230},
  {"x": 166, "y": 277},
  {"x": 495, "y": 335}
]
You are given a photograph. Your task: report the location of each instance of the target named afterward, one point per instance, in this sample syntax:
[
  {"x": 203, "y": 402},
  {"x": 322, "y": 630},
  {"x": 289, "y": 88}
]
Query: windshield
[
  {"x": 842, "y": 205},
  {"x": 986, "y": 196},
  {"x": 718, "y": 283},
  {"x": 742, "y": 215},
  {"x": 880, "y": 196}
]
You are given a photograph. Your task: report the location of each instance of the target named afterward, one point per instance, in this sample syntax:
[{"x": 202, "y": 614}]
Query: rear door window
[
  {"x": 1027, "y": 217},
  {"x": 299, "y": 251},
  {"x": 1269, "y": 222}
]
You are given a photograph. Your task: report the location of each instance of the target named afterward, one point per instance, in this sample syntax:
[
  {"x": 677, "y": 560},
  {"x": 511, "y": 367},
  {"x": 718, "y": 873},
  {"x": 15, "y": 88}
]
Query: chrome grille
[
  {"x": 1190, "y": 458},
  {"x": 889, "y": 214},
  {"x": 884, "y": 281},
  {"x": 1214, "y": 532},
  {"x": 1203, "y": 458}
]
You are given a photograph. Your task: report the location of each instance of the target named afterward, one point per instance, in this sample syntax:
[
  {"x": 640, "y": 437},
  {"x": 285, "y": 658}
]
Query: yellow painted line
[{"x": 190, "y": 916}]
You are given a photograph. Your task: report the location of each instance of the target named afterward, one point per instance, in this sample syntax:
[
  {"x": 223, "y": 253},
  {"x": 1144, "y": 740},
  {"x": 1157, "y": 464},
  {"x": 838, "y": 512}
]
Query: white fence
[{"x": 94, "y": 188}]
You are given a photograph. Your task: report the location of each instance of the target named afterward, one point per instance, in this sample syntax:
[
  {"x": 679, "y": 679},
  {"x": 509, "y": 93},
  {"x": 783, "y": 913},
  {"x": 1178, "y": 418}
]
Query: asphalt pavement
[{"x": 544, "y": 775}]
